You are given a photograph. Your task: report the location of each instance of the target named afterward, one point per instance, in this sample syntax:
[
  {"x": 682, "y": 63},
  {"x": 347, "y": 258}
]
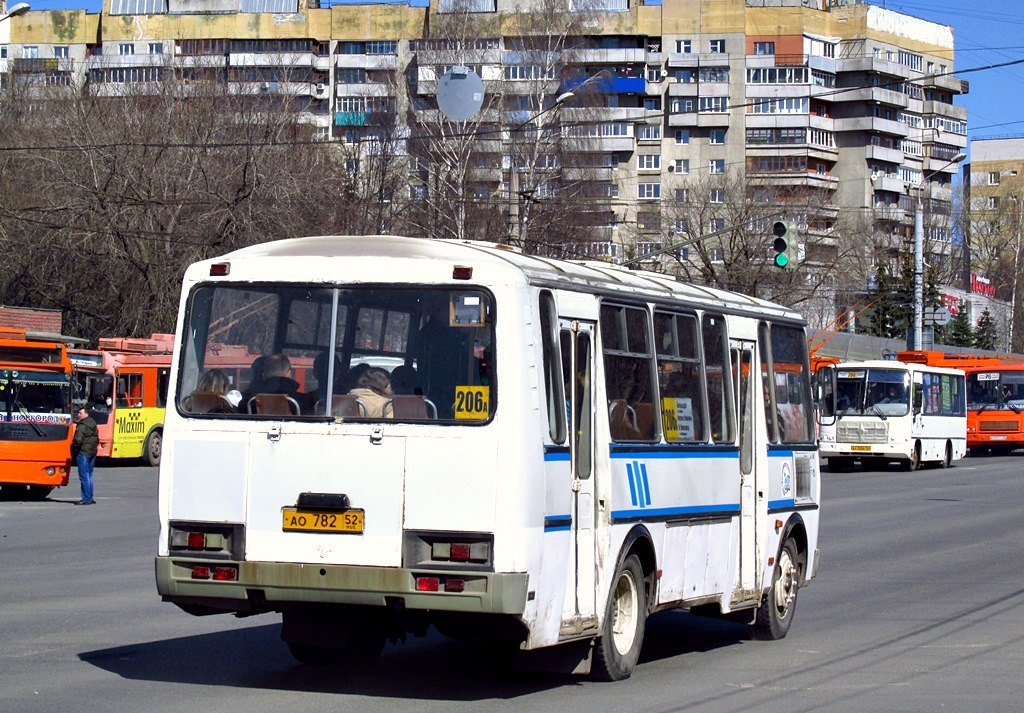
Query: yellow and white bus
[{"x": 564, "y": 449}]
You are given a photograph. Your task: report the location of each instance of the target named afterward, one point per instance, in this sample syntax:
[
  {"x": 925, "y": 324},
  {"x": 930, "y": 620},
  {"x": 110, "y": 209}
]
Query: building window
[
  {"x": 649, "y": 222},
  {"x": 716, "y": 165},
  {"x": 156, "y": 47},
  {"x": 649, "y": 132},
  {"x": 654, "y": 74},
  {"x": 648, "y": 191},
  {"x": 652, "y": 103},
  {"x": 717, "y": 254},
  {"x": 764, "y": 48},
  {"x": 681, "y": 165},
  {"x": 649, "y": 162},
  {"x": 717, "y": 136},
  {"x": 686, "y": 76},
  {"x": 992, "y": 203},
  {"x": 30, "y": 52},
  {"x": 684, "y": 46},
  {"x": 717, "y": 46},
  {"x": 713, "y": 105},
  {"x": 125, "y": 49},
  {"x": 717, "y": 195},
  {"x": 681, "y": 195},
  {"x": 681, "y": 226},
  {"x": 993, "y": 178},
  {"x": 679, "y": 105},
  {"x": 682, "y": 136},
  {"x": 60, "y": 51}
]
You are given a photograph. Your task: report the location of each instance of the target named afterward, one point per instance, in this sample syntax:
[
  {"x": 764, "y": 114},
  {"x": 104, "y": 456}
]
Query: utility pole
[{"x": 917, "y": 335}]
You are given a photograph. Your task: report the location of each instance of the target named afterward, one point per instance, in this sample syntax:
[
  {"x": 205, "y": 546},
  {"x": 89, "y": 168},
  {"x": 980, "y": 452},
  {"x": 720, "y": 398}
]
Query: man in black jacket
[{"x": 83, "y": 447}]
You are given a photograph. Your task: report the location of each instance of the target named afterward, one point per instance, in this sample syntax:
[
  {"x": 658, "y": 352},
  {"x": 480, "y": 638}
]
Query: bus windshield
[
  {"x": 310, "y": 352},
  {"x": 39, "y": 398},
  {"x": 995, "y": 391},
  {"x": 878, "y": 392}
]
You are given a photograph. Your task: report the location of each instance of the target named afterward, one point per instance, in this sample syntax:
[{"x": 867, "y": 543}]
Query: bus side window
[
  {"x": 718, "y": 383},
  {"x": 628, "y": 373}
]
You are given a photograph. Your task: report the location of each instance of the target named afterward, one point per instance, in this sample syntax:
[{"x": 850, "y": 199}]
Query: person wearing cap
[{"x": 84, "y": 446}]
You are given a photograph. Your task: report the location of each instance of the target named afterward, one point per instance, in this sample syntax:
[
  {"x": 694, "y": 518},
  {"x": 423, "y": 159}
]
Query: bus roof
[
  {"x": 890, "y": 364},
  {"x": 967, "y": 362},
  {"x": 433, "y": 260}
]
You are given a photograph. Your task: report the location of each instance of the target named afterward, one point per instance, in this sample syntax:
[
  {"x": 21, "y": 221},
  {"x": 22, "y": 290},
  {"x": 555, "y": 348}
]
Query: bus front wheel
[
  {"x": 622, "y": 635},
  {"x": 775, "y": 615},
  {"x": 947, "y": 460},
  {"x": 914, "y": 461},
  {"x": 151, "y": 450}
]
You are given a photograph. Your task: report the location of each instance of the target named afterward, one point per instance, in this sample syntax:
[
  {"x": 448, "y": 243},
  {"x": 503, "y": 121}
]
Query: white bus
[
  {"x": 880, "y": 411},
  {"x": 565, "y": 449}
]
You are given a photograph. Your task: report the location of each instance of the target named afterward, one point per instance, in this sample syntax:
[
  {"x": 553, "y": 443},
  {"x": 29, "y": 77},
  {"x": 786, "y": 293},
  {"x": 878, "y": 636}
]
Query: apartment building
[
  {"x": 838, "y": 113},
  {"x": 994, "y": 182}
]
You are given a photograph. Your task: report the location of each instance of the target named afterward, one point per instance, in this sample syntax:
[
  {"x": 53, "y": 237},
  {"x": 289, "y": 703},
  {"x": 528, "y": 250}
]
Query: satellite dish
[{"x": 460, "y": 93}]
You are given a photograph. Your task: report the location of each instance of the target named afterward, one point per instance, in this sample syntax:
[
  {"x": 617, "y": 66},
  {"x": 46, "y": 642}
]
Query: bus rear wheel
[
  {"x": 775, "y": 615},
  {"x": 313, "y": 635},
  {"x": 947, "y": 459},
  {"x": 38, "y": 492},
  {"x": 152, "y": 448},
  {"x": 622, "y": 636}
]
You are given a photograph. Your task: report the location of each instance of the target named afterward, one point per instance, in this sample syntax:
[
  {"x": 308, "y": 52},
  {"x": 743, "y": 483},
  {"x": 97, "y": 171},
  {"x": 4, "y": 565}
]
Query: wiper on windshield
[
  {"x": 874, "y": 407},
  {"x": 24, "y": 412}
]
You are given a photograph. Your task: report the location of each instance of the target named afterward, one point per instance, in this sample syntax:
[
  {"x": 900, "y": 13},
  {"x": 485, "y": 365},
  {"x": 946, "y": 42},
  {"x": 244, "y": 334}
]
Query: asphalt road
[{"x": 919, "y": 606}]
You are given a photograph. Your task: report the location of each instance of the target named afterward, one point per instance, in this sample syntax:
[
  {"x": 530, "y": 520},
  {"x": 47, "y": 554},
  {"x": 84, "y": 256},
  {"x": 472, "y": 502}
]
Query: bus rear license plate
[
  {"x": 997, "y": 438},
  {"x": 860, "y": 448},
  {"x": 349, "y": 521}
]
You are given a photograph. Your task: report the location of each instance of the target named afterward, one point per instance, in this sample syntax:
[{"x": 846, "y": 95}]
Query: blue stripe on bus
[
  {"x": 553, "y": 456},
  {"x": 656, "y": 452},
  {"x": 668, "y": 513},
  {"x": 781, "y": 504},
  {"x": 779, "y": 453},
  {"x": 557, "y": 523}
]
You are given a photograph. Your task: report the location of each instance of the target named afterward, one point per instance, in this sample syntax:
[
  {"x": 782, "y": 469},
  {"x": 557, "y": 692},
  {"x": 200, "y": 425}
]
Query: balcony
[
  {"x": 271, "y": 59},
  {"x": 875, "y": 95},
  {"x": 889, "y": 213},
  {"x": 947, "y": 82},
  {"x": 881, "y": 153},
  {"x": 636, "y": 55},
  {"x": 892, "y": 184},
  {"x": 367, "y": 61},
  {"x": 608, "y": 85}
]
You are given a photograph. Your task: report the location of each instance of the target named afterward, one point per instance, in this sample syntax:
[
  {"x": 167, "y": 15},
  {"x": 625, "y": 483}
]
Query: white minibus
[{"x": 489, "y": 442}]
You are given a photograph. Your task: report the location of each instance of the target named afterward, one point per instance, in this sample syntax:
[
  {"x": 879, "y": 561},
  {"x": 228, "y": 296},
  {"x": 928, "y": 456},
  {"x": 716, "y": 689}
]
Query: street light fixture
[
  {"x": 19, "y": 9},
  {"x": 521, "y": 195},
  {"x": 917, "y": 335}
]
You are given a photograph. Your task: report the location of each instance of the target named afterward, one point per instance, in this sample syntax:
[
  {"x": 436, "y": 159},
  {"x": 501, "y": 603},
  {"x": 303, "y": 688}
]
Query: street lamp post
[
  {"x": 517, "y": 190},
  {"x": 918, "y": 332}
]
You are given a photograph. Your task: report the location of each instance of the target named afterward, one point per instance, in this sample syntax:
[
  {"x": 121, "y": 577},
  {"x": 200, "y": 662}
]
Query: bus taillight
[
  {"x": 427, "y": 584},
  {"x": 225, "y": 574}
]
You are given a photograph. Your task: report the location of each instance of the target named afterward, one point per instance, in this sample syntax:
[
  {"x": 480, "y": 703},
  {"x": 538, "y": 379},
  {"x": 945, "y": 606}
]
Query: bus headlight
[{"x": 51, "y": 470}]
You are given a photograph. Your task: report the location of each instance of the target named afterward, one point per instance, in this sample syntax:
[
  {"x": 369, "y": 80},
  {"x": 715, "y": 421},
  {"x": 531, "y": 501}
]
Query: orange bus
[
  {"x": 123, "y": 383},
  {"x": 35, "y": 415},
  {"x": 995, "y": 397}
]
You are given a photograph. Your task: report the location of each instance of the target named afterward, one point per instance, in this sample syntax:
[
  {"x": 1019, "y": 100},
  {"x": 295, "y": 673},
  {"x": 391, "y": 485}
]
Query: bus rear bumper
[{"x": 270, "y": 586}]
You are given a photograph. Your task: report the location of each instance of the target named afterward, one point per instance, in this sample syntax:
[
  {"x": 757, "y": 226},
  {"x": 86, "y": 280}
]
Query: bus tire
[
  {"x": 617, "y": 650},
  {"x": 914, "y": 461},
  {"x": 947, "y": 459},
  {"x": 775, "y": 615},
  {"x": 153, "y": 447}
]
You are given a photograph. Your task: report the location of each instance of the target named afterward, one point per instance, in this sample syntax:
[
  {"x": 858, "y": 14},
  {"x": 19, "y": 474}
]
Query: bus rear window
[{"x": 406, "y": 354}]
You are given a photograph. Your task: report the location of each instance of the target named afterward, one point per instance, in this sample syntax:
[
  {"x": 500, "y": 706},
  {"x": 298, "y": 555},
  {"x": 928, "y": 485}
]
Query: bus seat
[
  {"x": 208, "y": 402},
  {"x": 345, "y": 406},
  {"x": 278, "y": 404},
  {"x": 411, "y": 407},
  {"x": 645, "y": 419},
  {"x": 622, "y": 420}
]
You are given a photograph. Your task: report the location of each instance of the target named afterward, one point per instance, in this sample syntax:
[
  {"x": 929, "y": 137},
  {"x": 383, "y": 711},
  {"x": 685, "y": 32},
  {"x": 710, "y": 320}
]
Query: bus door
[
  {"x": 129, "y": 421},
  {"x": 753, "y": 481},
  {"x": 577, "y": 340}
]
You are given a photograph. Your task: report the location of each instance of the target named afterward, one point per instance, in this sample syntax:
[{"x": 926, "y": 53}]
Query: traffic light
[{"x": 786, "y": 244}]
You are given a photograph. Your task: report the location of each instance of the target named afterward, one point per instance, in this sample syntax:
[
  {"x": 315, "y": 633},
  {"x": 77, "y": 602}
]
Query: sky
[{"x": 984, "y": 34}]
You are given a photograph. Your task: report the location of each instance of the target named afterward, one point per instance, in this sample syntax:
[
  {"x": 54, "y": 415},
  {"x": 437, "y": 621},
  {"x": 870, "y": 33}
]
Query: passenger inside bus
[
  {"x": 278, "y": 381},
  {"x": 373, "y": 389},
  {"x": 213, "y": 394}
]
